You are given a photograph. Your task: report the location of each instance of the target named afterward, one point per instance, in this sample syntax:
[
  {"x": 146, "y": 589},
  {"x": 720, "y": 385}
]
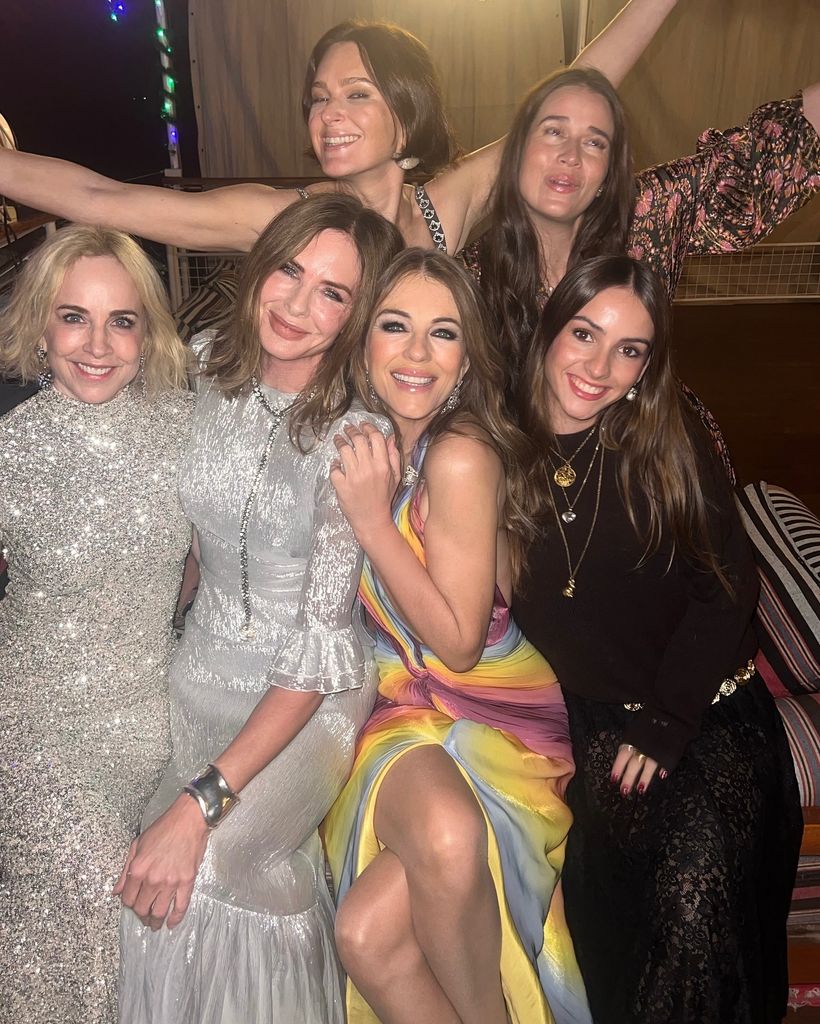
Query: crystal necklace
[
  {"x": 564, "y": 474},
  {"x": 247, "y": 632},
  {"x": 569, "y": 589}
]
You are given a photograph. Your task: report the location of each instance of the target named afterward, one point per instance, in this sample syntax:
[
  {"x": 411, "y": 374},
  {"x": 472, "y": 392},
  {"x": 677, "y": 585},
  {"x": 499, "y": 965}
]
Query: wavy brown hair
[
  {"x": 236, "y": 354},
  {"x": 401, "y": 67},
  {"x": 659, "y": 471},
  {"x": 26, "y": 317},
  {"x": 481, "y": 411},
  {"x": 510, "y": 251}
]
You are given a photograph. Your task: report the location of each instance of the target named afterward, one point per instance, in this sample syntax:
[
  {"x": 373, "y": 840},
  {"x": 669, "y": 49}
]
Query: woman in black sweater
[{"x": 640, "y": 593}]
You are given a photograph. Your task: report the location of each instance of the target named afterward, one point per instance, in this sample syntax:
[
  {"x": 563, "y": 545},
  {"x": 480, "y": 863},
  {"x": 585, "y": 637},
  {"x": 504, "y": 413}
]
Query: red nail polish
[
  {"x": 625, "y": 791},
  {"x": 641, "y": 788},
  {"x": 663, "y": 773},
  {"x": 613, "y": 779}
]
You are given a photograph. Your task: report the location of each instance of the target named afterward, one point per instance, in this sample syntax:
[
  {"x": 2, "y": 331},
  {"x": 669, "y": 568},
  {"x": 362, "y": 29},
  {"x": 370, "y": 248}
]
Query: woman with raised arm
[
  {"x": 373, "y": 109},
  {"x": 565, "y": 193},
  {"x": 95, "y": 538},
  {"x": 640, "y": 589},
  {"x": 270, "y": 683},
  {"x": 447, "y": 842}
]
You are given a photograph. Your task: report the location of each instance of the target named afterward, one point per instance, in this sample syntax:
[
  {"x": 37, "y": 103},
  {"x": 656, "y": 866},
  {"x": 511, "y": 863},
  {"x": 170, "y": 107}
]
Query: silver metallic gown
[
  {"x": 257, "y": 941},
  {"x": 96, "y": 538}
]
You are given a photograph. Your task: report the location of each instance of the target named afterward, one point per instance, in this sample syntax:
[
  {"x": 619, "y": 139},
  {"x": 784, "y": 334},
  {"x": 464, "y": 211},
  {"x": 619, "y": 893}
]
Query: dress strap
[
  {"x": 428, "y": 211},
  {"x": 302, "y": 192}
]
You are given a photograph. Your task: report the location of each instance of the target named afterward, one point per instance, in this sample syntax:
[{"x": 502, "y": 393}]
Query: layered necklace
[
  {"x": 564, "y": 476},
  {"x": 247, "y": 632}
]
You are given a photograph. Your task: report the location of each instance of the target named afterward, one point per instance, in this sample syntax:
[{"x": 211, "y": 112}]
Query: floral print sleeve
[{"x": 740, "y": 184}]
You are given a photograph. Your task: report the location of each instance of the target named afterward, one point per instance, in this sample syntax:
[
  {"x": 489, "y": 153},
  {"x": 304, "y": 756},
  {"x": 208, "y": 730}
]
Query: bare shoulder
[{"x": 463, "y": 455}]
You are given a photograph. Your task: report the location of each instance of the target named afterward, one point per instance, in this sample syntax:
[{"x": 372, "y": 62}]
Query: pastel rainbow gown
[{"x": 504, "y": 723}]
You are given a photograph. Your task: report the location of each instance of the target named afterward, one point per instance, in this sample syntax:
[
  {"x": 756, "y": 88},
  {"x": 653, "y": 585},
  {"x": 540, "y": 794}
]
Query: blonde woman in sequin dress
[
  {"x": 96, "y": 538},
  {"x": 271, "y": 682}
]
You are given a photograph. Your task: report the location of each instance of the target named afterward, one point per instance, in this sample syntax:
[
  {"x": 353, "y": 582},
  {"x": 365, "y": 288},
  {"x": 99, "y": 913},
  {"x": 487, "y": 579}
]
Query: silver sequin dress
[
  {"x": 96, "y": 535},
  {"x": 257, "y": 941}
]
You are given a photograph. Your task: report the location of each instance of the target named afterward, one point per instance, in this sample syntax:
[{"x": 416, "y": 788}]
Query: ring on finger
[{"x": 639, "y": 757}]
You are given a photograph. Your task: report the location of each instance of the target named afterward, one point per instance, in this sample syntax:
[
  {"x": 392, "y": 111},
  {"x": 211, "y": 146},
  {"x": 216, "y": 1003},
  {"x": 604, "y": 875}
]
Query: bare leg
[
  {"x": 375, "y": 940},
  {"x": 427, "y": 815}
]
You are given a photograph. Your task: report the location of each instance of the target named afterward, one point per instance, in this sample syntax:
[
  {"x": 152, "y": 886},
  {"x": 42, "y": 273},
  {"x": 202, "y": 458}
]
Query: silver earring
[
  {"x": 141, "y": 373},
  {"x": 407, "y": 163},
  {"x": 454, "y": 398},
  {"x": 44, "y": 375},
  {"x": 371, "y": 391},
  {"x": 600, "y": 191},
  {"x": 632, "y": 394}
]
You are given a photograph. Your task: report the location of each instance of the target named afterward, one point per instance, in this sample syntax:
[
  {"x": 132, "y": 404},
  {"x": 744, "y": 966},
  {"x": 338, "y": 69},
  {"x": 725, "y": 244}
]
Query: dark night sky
[{"x": 75, "y": 84}]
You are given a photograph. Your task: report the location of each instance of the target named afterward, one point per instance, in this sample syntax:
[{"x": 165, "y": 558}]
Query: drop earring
[
  {"x": 44, "y": 375},
  {"x": 407, "y": 163},
  {"x": 454, "y": 398},
  {"x": 371, "y": 391},
  {"x": 632, "y": 394}
]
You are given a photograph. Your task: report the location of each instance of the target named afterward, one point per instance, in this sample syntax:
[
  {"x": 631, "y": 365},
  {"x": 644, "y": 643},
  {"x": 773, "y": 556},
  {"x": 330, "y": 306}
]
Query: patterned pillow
[
  {"x": 786, "y": 541},
  {"x": 801, "y": 718}
]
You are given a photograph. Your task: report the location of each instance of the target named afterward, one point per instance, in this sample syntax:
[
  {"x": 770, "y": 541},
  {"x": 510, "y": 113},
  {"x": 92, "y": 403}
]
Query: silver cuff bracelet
[{"x": 213, "y": 794}]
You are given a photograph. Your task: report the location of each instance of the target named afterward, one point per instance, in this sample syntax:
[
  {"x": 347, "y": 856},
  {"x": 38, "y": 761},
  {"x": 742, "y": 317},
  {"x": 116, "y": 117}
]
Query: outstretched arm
[
  {"x": 461, "y": 193},
  {"x": 224, "y": 218},
  {"x": 616, "y": 50}
]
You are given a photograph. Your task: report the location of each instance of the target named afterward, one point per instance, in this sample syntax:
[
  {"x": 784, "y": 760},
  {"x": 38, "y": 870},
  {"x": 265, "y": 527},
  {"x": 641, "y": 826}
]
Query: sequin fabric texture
[
  {"x": 257, "y": 940},
  {"x": 96, "y": 538}
]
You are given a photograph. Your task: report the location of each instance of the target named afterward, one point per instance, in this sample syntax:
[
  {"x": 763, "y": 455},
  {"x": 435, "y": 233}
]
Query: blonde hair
[{"x": 24, "y": 321}]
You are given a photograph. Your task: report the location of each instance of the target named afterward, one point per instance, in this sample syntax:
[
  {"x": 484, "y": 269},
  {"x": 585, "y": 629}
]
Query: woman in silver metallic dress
[
  {"x": 96, "y": 538},
  {"x": 271, "y": 683}
]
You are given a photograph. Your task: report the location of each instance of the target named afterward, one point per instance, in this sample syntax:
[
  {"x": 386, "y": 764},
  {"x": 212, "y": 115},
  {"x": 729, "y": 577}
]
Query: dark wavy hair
[
  {"x": 659, "y": 471},
  {"x": 401, "y": 67},
  {"x": 236, "y": 354},
  {"x": 510, "y": 252},
  {"x": 481, "y": 411}
]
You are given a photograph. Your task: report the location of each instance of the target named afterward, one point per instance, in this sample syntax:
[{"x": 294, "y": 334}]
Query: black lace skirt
[{"x": 677, "y": 900}]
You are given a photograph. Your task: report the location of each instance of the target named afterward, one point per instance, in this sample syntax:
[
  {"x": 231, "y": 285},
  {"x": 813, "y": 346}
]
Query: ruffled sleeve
[
  {"x": 740, "y": 184},
  {"x": 322, "y": 651}
]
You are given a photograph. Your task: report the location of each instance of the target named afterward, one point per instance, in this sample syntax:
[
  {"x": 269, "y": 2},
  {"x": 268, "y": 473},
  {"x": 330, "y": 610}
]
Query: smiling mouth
[
  {"x": 412, "y": 381},
  {"x": 97, "y": 372},
  {"x": 584, "y": 390},
  {"x": 339, "y": 140},
  {"x": 563, "y": 184},
  {"x": 285, "y": 330}
]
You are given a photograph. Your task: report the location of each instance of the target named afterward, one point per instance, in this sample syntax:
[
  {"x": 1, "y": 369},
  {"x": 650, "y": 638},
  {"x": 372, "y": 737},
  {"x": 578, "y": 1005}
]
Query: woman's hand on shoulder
[
  {"x": 365, "y": 475},
  {"x": 158, "y": 877}
]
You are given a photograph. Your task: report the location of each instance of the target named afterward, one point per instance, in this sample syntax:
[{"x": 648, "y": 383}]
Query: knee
[
  {"x": 454, "y": 851},
  {"x": 358, "y": 939}
]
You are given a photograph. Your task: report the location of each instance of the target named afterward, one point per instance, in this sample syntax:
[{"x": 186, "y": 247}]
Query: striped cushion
[
  {"x": 801, "y": 717},
  {"x": 781, "y": 529},
  {"x": 212, "y": 300}
]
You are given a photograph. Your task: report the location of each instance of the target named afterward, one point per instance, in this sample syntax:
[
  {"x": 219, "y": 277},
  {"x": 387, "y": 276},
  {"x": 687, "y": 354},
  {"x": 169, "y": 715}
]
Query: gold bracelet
[{"x": 726, "y": 688}]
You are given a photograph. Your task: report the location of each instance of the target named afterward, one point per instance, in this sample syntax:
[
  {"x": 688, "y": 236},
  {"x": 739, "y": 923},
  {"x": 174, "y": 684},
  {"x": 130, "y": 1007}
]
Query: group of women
[{"x": 516, "y": 455}]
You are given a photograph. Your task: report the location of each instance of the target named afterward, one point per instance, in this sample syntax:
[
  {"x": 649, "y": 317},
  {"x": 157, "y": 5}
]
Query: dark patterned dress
[{"x": 739, "y": 185}]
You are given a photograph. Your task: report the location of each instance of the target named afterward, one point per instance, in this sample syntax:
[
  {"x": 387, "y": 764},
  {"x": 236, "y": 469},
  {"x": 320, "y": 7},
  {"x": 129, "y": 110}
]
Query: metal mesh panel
[{"x": 764, "y": 273}]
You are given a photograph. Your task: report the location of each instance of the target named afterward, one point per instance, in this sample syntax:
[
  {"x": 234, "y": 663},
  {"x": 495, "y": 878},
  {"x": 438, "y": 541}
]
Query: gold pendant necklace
[
  {"x": 569, "y": 589},
  {"x": 569, "y": 515},
  {"x": 564, "y": 474}
]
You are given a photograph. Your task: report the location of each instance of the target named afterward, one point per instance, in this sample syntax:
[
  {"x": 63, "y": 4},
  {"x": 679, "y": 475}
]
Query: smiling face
[
  {"x": 596, "y": 358},
  {"x": 352, "y": 129},
  {"x": 302, "y": 307},
  {"x": 415, "y": 352},
  {"x": 566, "y": 156},
  {"x": 95, "y": 331}
]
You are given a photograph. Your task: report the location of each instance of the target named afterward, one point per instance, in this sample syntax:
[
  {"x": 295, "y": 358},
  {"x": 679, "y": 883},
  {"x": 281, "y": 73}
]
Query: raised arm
[
  {"x": 224, "y": 218},
  {"x": 461, "y": 193},
  {"x": 447, "y": 600}
]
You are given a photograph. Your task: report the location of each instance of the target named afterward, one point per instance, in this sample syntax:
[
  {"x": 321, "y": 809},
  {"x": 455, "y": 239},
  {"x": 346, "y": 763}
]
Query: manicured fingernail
[
  {"x": 663, "y": 773},
  {"x": 614, "y": 779},
  {"x": 641, "y": 788},
  {"x": 624, "y": 790}
]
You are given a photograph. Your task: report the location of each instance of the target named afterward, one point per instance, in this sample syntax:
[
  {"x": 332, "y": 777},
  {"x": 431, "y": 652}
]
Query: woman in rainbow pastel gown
[{"x": 447, "y": 843}]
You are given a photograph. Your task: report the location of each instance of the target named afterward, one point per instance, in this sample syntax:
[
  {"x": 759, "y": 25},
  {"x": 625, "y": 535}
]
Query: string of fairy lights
[{"x": 168, "y": 112}]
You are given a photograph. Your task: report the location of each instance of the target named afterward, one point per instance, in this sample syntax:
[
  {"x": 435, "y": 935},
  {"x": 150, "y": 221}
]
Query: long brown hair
[
  {"x": 511, "y": 256},
  {"x": 659, "y": 471},
  {"x": 401, "y": 67},
  {"x": 236, "y": 355},
  {"x": 481, "y": 411}
]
